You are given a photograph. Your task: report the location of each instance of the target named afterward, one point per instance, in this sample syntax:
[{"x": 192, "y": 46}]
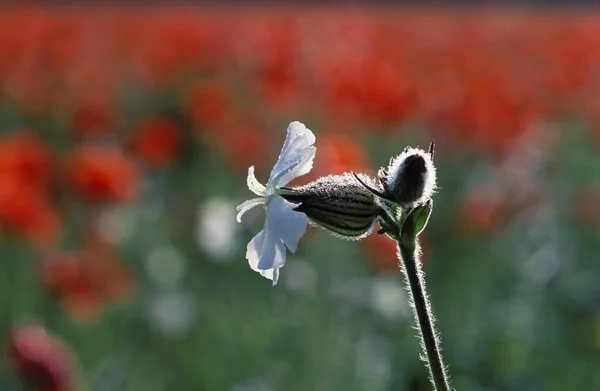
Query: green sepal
[{"x": 416, "y": 221}]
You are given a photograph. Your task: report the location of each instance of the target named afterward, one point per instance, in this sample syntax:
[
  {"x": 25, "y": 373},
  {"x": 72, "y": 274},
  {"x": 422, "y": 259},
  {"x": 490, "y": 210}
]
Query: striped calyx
[{"x": 338, "y": 203}]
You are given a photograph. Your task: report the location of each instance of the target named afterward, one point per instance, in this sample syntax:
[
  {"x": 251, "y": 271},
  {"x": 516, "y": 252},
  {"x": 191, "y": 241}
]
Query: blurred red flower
[
  {"x": 208, "y": 102},
  {"x": 388, "y": 95},
  {"x": 91, "y": 117},
  {"x": 167, "y": 45},
  {"x": 102, "y": 173},
  {"x": 338, "y": 153},
  {"x": 25, "y": 158},
  {"x": 83, "y": 280},
  {"x": 24, "y": 212},
  {"x": 158, "y": 141},
  {"x": 41, "y": 360},
  {"x": 25, "y": 178},
  {"x": 242, "y": 139},
  {"x": 277, "y": 76}
]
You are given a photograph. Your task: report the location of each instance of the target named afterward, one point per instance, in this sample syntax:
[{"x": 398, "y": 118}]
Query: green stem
[{"x": 423, "y": 315}]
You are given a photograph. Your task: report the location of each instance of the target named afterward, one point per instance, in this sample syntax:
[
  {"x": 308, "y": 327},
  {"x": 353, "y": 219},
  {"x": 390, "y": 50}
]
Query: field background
[{"x": 125, "y": 138}]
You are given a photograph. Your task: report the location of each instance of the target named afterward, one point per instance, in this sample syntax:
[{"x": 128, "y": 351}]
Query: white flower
[{"x": 283, "y": 226}]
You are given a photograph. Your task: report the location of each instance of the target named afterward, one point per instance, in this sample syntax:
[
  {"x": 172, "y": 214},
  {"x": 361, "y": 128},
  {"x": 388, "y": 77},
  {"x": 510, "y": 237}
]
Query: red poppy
[
  {"x": 209, "y": 102},
  {"x": 157, "y": 141},
  {"x": 103, "y": 174},
  {"x": 25, "y": 158},
  {"x": 85, "y": 280},
  {"x": 24, "y": 212},
  {"x": 338, "y": 153},
  {"x": 25, "y": 177},
  {"x": 92, "y": 117},
  {"x": 242, "y": 139}
]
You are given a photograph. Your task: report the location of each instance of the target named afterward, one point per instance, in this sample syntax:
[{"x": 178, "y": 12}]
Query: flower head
[{"x": 284, "y": 226}]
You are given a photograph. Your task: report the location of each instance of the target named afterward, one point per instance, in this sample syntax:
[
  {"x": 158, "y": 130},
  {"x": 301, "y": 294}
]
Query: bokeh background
[{"x": 125, "y": 138}]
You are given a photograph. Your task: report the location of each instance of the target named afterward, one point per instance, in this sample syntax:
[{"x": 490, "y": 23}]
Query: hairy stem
[{"x": 423, "y": 315}]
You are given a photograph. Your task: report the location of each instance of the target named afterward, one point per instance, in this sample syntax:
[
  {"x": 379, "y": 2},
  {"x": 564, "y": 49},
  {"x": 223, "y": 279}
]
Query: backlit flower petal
[
  {"x": 266, "y": 254},
  {"x": 296, "y": 157},
  {"x": 298, "y": 137},
  {"x": 272, "y": 254},
  {"x": 253, "y": 250},
  {"x": 253, "y": 184},
  {"x": 271, "y": 274},
  {"x": 286, "y": 222},
  {"x": 247, "y": 205}
]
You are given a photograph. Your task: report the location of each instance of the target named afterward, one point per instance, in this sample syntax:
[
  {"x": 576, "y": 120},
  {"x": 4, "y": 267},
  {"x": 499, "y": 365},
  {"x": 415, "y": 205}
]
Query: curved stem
[{"x": 423, "y": 315}]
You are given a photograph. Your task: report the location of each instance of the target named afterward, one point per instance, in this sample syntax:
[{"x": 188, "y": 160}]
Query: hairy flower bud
[
  {"x": 338, "y": 203},
  {"x": 409, "y": 179}
]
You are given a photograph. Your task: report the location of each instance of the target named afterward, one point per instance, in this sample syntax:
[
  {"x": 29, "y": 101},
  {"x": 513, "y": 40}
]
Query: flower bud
[
  {"x": 338, "y": 203},
  {"x": 409, "y": 179}
]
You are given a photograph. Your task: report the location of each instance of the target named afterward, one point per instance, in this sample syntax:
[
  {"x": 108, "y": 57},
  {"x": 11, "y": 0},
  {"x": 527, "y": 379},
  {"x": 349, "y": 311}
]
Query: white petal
[
  {"x": 272, "y": 254},
  {"x": 271, "y": 274},
  {"x": 298, "y": 136},
  {"x": 247, "y": 205},
  {"x": 253, "y": 184},
  {"x": 285, "y": 222},
  {"x": 274, "y": 276},
  {"x": 253, "y": 250},
  {"x": 296, "y": 157},
  {"x": 266, "y": 254}
]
